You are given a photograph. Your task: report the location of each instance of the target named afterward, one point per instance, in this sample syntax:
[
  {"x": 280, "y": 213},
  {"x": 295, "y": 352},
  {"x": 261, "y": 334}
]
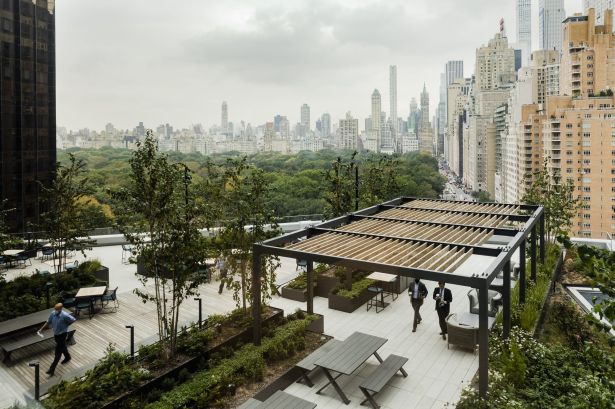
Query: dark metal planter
[
  {"x": 193, "y": 363},
  {"x": 348, "y": 304}
]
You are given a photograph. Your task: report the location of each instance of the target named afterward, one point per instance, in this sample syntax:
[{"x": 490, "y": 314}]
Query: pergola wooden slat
[{"x": 424, "y": 238}]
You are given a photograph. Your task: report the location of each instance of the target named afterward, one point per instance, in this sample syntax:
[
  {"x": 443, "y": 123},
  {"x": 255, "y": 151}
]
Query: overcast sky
[{"x": 125, "y": 61}]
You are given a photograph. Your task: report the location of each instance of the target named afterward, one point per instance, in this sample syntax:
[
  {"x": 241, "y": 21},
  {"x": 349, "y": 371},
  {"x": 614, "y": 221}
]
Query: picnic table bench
[
  {"x": 8, "y": 346},
  {"x": 347, "y": 356},
  {"x": 15, "y": 325},
  {"x": 383, "y": 373},
  {"x": 279, "y": 400},
  {"x": 308, "y": 364}
]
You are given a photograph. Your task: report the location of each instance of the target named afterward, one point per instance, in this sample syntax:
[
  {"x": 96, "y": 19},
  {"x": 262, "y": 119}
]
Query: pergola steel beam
[
  {"x": 501, "y": 231},
  {"x": 483, "y": 251},
  {"x": 509, "y": 216},
  {"x": 526, "y": 207}
]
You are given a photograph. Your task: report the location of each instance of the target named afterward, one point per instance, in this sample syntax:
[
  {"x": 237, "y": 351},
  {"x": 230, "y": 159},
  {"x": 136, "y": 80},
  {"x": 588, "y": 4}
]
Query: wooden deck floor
[{"x": 94, "y": 335}]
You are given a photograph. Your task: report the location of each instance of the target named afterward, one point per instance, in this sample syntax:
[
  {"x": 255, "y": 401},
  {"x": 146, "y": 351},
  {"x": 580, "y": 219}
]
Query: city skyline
[{"x": 233, "y": 52}]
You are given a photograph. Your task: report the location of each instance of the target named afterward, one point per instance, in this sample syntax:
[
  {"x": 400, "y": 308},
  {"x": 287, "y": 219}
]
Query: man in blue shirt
[{"x": 59, "y": 320}]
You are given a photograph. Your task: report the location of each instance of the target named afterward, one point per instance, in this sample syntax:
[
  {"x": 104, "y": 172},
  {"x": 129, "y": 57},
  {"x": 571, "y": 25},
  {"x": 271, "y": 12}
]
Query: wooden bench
[
  {"x": 8, "y": 346},
  {"x": 376, "y": 381},
  {"x": 308, "y": 364}
]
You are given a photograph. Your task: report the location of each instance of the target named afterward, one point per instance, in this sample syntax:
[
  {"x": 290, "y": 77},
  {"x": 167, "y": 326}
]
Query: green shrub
[
  {"x": 25, "y": 295},
  {"x": 358, "y": 287},
  {"x": 112, "y": 375},
  {"x": 209, "y": 387}
]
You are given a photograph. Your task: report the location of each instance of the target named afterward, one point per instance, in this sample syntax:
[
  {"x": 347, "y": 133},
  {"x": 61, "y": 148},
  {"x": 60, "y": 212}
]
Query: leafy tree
[
  {"x": 379, "y": 179},
  {"x": 339, "y": 193},
  {"x": 246, "y": 221},
  {"x": 557, "y": 198},
  {"x": 157, "y": 212},
  {"x": 65, "y": 223}
]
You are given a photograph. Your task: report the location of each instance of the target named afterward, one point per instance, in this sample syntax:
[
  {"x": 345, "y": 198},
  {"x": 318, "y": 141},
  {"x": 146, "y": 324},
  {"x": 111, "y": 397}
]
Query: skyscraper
[
  {"x": 425, "y": 131},
  {"x": 524, "y": 29},
  {"x": 28, "y": 114},
  {"x": 453, "y": 71},
  {"x": 224, "y": 120},
  {"x": 600, "y": 6},
  {"x": 551, "y": 14},
  {"x": 393, "y": 98},
  {"x": 305, "y": 117},
  {"x": 349, "y": 132},
  {"x": 325, "y": 123},
  {"x": 376, "y": 117}
]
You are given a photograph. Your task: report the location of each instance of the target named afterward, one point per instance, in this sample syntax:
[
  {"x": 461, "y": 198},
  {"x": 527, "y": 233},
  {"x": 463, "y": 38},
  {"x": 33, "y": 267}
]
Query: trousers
[
  {"x": 416, "y": 306},
  {"x": 61, "y": 349}
]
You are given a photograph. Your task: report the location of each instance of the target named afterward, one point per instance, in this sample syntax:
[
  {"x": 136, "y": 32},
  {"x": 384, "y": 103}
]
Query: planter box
[
  {"x": 347, "y": 304},
  {"x": 324, "y": 285},
  {"x": 193, "y": 363},
  {"x": 317, "y": 326},
  {"x": 102, "y": 274},
  {"x": 294, "y": 294}
]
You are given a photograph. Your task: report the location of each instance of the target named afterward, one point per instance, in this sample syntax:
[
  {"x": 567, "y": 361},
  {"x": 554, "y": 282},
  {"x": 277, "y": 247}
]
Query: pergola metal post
[
  {"x": 256, "y": 294},
  {"x": 506, "y": 300},
  {"x": 310, "y": 287},
  {"x": 533, "y": 254},
  {"x": 522, "y": 272},
  {"x": 543, "y": 246},
  {"x": 483, "y": 340}
]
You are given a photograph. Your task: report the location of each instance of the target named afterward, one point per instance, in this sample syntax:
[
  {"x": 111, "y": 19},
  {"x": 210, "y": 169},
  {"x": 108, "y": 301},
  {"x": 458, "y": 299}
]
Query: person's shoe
[
  {"x": 65, "y": 361},
  {"x": 444, "y": 337},
  {"x": 413, "y": 329},
  {"x": 442, "y": 333},
  {"x": 420, "y": 320},
  {"x": 49, "y": 372}
]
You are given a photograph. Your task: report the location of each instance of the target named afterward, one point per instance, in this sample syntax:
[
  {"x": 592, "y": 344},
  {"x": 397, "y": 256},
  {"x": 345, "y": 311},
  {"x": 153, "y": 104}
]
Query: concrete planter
[
  {"x": 324, "y": 285},
  {"x": 348, "y": 304},
  {"x": 318, "y": 325},
  {"x": 102, "y": 274},
  {"x": 296, "y": 294}
]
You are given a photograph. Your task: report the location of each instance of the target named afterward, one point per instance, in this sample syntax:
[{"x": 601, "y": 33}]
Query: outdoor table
[
  {"x": 92, "y": 293},
  {"x": 18, "y": 324},
  {"x": 387, "y": 279},
  {"x": 347, "y": 357},
  {"x": 471, "y": 320},
  {"x": 283, "y": 400},
  {"x": 11, "y": 252}
]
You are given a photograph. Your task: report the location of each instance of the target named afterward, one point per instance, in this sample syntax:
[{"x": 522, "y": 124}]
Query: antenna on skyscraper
[{"x": 502, "y": 28}]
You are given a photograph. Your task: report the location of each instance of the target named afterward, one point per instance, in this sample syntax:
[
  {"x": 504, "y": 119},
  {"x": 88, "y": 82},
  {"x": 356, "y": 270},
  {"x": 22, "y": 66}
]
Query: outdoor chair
[
  {"x": 126, "y": 252},
  {"x": 67, "y": 299},
  {"x": 46, "y": 253},
  {"x": 71, "y": 266},
  {"x": 22, "y": 259},
  {"x": 301, "y": 264},
  {"x": 111, "y": 296},
  {"x": 377, "y": 299},
  {"x": 463, "y": 336},
  {"x": 493, "y": 299},
  {"x": 82, "y": 304}
]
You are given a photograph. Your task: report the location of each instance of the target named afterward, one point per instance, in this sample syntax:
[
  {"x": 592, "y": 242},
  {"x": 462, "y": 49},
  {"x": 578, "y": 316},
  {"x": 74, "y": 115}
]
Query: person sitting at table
[
  {"x": 417, "y": 292},
  {"x": 59, "y": 320},
  {"x": 444, "y": 298}
]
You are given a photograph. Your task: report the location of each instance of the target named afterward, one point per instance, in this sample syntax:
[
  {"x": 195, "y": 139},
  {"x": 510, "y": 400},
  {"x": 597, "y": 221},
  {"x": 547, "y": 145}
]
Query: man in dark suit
[
  {"x": 417, "y": 292},
  {"x": 444, "y": 298}
]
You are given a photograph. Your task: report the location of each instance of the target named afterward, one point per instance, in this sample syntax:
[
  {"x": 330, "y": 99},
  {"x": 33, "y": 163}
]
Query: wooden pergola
[{"x": 420, "y": 238}]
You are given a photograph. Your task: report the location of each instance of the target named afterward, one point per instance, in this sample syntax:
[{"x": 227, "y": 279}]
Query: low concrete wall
[{"x": 117, "y": 239}]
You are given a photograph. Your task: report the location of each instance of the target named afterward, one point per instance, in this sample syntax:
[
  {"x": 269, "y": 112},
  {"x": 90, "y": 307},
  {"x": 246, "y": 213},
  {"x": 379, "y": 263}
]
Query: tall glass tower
[{"x": 28, "y": 107}]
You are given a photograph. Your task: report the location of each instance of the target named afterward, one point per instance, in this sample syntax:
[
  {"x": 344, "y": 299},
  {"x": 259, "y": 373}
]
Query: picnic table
[
  {"x": 36, "y": 319},
  {"x": 347, "y": 357},
  {"x": 91, "y": 293}
]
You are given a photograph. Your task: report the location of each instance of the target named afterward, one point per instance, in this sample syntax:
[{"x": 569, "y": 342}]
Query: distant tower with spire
[{"x": 425, "y": 130}]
